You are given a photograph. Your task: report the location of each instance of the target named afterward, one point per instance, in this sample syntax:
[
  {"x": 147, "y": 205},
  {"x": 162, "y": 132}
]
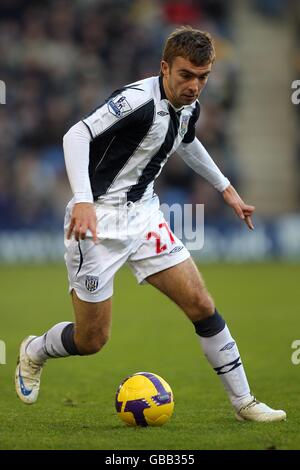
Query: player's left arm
[
  {"x": 197, "y": 157},
  {"x": 244, "y": 211}
]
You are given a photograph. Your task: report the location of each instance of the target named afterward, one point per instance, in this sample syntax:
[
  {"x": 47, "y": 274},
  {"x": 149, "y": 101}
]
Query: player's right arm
[
  {"x": 76, "y": 143},
  {"x": 130, "y": 106}
]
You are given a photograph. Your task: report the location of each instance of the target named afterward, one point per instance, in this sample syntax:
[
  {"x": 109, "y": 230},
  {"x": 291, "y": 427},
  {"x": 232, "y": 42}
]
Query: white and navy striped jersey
[
  {"x": 132, "y": 135},
  {"x": 116, "y": 152}
]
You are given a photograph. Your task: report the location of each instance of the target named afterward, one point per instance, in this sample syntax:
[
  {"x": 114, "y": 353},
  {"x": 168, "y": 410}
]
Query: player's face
[{"x": 184, "y": 81}]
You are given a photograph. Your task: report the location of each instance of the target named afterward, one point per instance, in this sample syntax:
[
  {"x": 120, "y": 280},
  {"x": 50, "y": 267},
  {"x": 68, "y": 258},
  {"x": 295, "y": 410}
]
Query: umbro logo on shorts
[
  {"x": 176, "y": 249},
  {"x": 91, "y": 283},
  {"x": 162, "y": 113}
]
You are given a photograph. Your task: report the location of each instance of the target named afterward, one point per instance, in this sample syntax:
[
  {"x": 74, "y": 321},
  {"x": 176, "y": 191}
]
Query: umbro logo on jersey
[{"x": 162, "y": 113}]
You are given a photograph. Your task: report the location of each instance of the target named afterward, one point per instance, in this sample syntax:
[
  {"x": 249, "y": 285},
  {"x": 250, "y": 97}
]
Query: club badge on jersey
[
  {"x": 118, "y": 106},
  {"x": 184, "y": 125}
]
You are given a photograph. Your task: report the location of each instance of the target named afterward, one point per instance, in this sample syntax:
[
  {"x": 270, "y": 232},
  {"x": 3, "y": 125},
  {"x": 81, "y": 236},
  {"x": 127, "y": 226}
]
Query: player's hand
[
  {"x": 244, "y": 211},
  {"x": 83, "y": 219}
]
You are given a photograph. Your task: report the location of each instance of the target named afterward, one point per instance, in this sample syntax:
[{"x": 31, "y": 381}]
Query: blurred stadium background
[{"x": 60, "y": 58}]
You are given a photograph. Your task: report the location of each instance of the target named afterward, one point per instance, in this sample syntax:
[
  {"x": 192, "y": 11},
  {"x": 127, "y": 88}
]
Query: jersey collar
[{"x": 163, "y": 95}]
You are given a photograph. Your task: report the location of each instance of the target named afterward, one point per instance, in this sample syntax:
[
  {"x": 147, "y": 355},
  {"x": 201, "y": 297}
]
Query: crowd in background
[{"x": 61, "y": 58}]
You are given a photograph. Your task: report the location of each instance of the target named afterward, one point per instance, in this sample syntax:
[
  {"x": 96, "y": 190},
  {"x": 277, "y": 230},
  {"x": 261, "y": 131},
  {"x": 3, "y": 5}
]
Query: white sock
[
  {"x": 51, "y": 344},
  {"x": 223, "y": 354}
]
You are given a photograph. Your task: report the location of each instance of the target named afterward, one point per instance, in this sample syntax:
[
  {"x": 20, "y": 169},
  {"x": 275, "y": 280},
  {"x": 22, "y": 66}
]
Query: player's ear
[{"x": 164, "y": 67}]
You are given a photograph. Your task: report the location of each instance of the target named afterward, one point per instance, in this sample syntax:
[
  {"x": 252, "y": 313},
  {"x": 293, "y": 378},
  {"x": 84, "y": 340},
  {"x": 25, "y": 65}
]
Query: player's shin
[
  {"x": 222, "y": 353},
  {"x": 56, "y": 342}
]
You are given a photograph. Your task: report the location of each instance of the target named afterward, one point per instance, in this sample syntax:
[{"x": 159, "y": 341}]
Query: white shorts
[{"x": 134, "y": 233}]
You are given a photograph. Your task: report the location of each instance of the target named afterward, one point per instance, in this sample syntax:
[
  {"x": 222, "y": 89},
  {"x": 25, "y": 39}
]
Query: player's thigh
[
  {"x": 184, "y": 285},
  {"x": 92, "y": 319}
]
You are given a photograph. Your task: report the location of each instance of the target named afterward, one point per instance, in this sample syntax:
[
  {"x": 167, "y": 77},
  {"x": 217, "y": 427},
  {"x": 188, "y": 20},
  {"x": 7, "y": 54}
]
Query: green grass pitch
[{"x": 260, "y": 303}]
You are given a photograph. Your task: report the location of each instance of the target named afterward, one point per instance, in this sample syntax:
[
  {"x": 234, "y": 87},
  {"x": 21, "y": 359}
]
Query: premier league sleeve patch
[{"x": 119, "y": 106}]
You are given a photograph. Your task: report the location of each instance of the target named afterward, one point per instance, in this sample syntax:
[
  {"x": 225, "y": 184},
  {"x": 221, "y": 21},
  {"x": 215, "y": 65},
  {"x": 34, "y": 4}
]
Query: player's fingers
[
  {"x": 249, "y": 222},
  {"x": 239, "y": 211},
  {"x": 94, "y": 231},
  {"x": 77, "y": 232},
  {"x": 82, "y": 231},
  {"x": 248, "y": 213},
  {"x": 70, "y": 229},
  {"x": 248, "y": 208}
]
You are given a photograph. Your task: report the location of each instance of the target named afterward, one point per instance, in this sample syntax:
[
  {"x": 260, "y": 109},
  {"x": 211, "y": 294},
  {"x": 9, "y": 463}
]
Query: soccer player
[{"x": 112, "y": 158}]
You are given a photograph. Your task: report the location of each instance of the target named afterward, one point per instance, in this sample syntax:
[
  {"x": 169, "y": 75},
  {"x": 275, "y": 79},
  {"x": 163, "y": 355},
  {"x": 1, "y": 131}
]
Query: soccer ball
[{"x": 144, "y": 399}]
